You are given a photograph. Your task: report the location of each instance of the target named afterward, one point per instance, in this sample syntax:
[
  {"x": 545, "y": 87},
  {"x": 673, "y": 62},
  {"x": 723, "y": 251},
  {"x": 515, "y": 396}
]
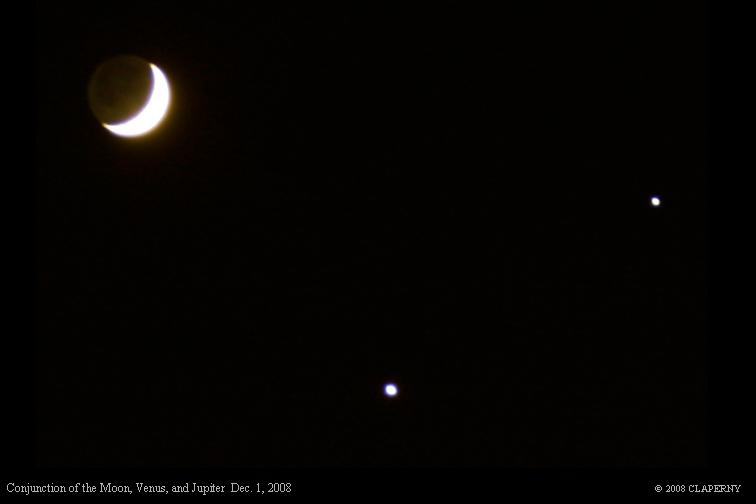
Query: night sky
[{"x": 453, "y": 200}]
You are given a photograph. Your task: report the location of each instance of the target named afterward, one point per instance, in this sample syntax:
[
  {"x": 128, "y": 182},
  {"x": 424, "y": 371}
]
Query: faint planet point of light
[
  {"x": 129, "y": 96},
  {"x": 391, "y": 390},
  {"x": 655, "y": 201}
]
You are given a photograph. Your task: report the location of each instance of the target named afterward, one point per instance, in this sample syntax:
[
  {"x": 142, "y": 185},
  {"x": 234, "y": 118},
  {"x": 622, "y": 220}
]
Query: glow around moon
[{"x": 152, "y": 113}]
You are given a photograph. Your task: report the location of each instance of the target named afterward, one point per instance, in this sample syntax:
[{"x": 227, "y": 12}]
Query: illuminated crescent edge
[{"x": 152, "y": 113}]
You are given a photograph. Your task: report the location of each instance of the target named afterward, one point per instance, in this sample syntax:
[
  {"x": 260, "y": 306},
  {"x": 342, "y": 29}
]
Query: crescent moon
[{"x": 152, "y": 113}]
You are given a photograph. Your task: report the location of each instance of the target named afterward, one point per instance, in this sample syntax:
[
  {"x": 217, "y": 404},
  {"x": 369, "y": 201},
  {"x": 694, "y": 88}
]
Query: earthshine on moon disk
[{"x": 129, "y": 96}]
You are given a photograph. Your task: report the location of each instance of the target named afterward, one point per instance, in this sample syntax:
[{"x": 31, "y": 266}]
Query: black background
[{"x": 449, "y": 198}]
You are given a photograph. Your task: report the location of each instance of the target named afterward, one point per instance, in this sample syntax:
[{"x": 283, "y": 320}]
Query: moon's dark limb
[{"x": 120, "y": 88}]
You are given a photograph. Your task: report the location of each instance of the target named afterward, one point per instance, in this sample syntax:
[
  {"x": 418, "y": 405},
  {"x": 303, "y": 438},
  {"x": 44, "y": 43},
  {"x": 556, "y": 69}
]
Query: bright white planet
[
  {"x": 391, "y": 390},
  {"x": 152, "y": 113},
  {"x": 655, "y": 201}
]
